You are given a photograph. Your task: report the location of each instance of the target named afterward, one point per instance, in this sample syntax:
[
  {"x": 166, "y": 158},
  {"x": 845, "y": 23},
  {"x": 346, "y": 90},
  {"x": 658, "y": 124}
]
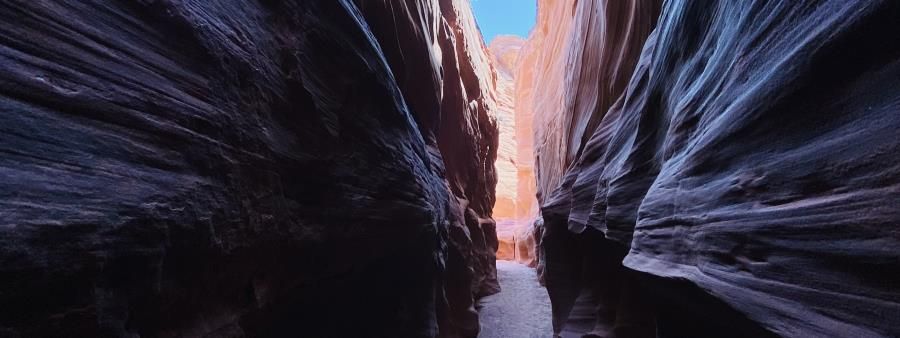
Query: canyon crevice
[{"x": 354, "y": 168}]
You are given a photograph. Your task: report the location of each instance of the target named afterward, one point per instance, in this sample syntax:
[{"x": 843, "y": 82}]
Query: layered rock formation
[
  {"x": 458, "y": 114},
  {"x": 504, "y": 51},
  {"x": 743, "y": 156},
  {"x": 248, "y": 168},
  {"x": 514, "y": 161},
  {"x": 576, "y": 64}
]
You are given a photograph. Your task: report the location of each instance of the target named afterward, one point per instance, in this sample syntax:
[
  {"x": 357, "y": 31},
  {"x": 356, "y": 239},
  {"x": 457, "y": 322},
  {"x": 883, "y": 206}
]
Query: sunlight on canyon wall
[{"x": 515, "y": 209}]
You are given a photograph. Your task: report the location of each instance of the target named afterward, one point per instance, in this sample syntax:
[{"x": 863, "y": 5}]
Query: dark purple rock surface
[
  {"x": 753, "y": 160},
  {"x": 223, "y": 169}
]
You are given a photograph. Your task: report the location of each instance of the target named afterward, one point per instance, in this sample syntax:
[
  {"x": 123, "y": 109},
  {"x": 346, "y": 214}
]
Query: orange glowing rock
[
  {"x": 504, "y": 51},
  {"x": 515, "y": 209}
]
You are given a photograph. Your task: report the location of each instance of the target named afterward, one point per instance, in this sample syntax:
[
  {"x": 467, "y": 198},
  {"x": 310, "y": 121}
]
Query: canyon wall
[
  {"x": 425, "y": 42},
  {"x": 504, "y": 50},
  {"x": 515, "y": 231},
  {"x": 251, "y": 168},
  {"x": 575, "y": 66},
  {"x": 718, "y": 168}
]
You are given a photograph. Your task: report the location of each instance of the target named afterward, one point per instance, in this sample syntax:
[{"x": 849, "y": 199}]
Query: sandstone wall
[
  {"x": 515, "y": 160},
  {"x": 443, "y": 68},
  {"x": 504, "y": 52},
  {"x": 742, "y": 157},
  {"x": 774, "y": 162},
  {"x": 248, "y": 168}
]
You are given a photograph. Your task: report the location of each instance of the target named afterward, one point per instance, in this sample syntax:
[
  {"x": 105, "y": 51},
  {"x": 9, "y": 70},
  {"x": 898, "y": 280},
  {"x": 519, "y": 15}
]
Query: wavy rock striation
[
  {"x": 743, "y": 156},
  {"x": 248, "y": 168},
  {"x": 504, "y": 50},
  {"x": 574, "y": 67},
  {"x": 514, "y": 200},
  {"x": 443, "y": 68}
]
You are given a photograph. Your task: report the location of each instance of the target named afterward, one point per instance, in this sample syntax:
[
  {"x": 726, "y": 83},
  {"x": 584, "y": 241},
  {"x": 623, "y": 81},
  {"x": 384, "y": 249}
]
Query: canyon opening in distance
[{"x": 385, "y": 168}]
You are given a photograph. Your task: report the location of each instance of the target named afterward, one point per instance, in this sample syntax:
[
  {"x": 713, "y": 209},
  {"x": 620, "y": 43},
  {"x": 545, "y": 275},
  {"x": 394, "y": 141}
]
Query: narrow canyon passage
[{"x": 356, "y": 168}]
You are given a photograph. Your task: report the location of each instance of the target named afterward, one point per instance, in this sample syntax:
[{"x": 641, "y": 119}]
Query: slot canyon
[{"x": 379, "y": 168}]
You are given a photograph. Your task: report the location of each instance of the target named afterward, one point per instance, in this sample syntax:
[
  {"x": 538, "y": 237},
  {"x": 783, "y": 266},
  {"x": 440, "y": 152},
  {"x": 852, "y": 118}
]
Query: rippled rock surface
[
  {"x": 515, "y": 208},
  {"x": 244, "y": 168},
  {"x": 747, "y": 166},
  {"x": 445, "y": 72},
  {"x": 576, "y": 65}
]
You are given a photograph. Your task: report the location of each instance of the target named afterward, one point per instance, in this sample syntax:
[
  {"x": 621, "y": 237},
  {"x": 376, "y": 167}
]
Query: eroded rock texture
[
  {"x": 504, "y": 51},
  {"x": 576, "y": 64},
  {"x": 244, "y": 168},
  {"x": 743, "y": 156},
  {"x": 515, "y": 189},
  {"x": 425, "y": 42}
]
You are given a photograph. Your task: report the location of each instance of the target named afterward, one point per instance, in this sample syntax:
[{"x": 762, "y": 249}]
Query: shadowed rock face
[
  {"x": 442, "y": 66},
  {"x": 747, "y": 166},
  {"x": 774, "y": 190},
  {"x": 245, "y": 168},
  {"x": 574, "y": 67}
]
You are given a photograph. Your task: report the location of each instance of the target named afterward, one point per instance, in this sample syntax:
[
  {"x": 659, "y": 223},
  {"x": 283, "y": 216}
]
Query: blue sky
[{"x": 495, "y": 17}]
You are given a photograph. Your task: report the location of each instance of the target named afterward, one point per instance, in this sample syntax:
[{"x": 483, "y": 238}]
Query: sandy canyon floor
[{"x": 521, "y": 309}]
